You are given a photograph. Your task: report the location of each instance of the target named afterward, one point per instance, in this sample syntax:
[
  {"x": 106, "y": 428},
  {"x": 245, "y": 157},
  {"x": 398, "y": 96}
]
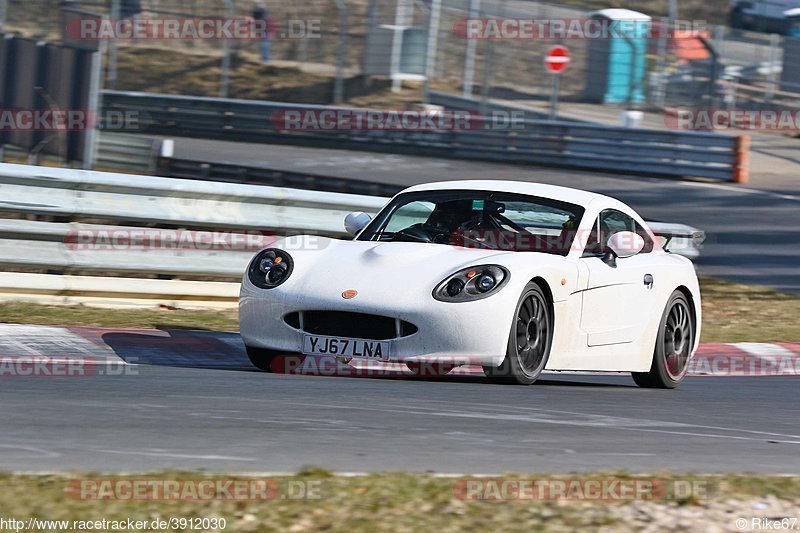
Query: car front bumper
[{"x": 460, "y": 333}]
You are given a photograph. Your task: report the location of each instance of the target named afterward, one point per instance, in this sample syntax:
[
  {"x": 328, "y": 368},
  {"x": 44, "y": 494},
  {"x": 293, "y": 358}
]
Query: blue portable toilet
[
  {"x": 616, "y": 62},
  {"x": 792, "y": 19}
]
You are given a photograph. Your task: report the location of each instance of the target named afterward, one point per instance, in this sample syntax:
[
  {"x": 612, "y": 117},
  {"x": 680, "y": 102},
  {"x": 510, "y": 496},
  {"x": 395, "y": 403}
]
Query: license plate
[{"x": 340, "y": 347}]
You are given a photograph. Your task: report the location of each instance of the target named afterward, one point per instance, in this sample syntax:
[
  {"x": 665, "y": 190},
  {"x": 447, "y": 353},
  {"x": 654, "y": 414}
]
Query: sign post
[{"x": 556, "y": 61}]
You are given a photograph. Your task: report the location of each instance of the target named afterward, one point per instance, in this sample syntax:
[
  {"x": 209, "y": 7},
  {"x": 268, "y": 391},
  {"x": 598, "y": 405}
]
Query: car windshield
[{"x": 477, "y": 219}]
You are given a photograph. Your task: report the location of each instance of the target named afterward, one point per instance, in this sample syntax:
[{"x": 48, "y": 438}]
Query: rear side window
[{"x": 609, "y": 222}]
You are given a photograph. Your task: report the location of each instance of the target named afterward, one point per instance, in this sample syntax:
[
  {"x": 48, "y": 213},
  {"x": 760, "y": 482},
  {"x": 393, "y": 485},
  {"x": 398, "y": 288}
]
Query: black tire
[
  {"x": 529, "y": 340},
  {"x": 674, "y": 342},
  {"x": 261, "y": 357}
]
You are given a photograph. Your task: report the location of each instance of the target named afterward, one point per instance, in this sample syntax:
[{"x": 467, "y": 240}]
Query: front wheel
[
  {"x": 261, "y": 357},
  {"x": 673, "y": 348},
  {"x": 529, "y": 341}
]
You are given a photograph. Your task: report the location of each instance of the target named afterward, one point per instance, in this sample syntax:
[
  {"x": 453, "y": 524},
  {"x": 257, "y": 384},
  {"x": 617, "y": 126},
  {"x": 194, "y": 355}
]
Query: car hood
[{"x": 323, "y": 265}]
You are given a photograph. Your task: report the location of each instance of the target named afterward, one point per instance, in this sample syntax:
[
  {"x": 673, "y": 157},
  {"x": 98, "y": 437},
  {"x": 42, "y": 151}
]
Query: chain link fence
[{"x": 337, "y": 39}]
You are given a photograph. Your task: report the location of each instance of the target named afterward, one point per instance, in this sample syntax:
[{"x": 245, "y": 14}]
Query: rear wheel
[
  {"x": 673, "y": 346},
  {"x": 261, "y": 357},
  {"x": 529, "y": 341}
]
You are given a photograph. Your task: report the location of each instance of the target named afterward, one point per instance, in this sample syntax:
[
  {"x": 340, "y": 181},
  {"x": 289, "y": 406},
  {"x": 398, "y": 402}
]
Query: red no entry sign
[{"x": 557, "y": 59}]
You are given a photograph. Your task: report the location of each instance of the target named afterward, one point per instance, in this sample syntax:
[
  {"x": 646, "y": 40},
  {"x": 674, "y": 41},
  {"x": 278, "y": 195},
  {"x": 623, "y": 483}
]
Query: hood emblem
[{"x": 349, "y": 294}]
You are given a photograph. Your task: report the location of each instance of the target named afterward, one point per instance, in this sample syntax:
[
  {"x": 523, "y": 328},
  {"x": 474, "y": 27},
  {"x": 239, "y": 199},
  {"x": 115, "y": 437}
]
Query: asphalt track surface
[
  {"x": 753, "y": 232},
  {"x": 194, "y": 402},
  {"x": 244, "y": 421}
]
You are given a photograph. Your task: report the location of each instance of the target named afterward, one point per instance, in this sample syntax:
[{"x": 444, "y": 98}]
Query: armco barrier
[
  {"x": 124, "y": 197},
  {"x": 117, "y": 292},
  {"x": 453, "y": 101},
  {"x": 117, "y": 199},
  {"x": 80, "y": 200},
  {"x": 540, "y": 142},
  {"x": 200, "y": 170},
  {"x": 119, "y": 151}
]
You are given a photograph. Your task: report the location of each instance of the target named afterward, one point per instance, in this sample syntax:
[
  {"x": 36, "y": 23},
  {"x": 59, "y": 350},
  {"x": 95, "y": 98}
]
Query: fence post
[
  {"x": 401, "y": 21},
  {"x": 338, "y": 86},
  {"x": 741, "y": 168},
  {"x": 774, "y": 46},
  {"x": 469, "y": 58},
  {"x": 660, "y": 90},
  {"x": 430, "y": 48},
  {"x": 226, "y": 57},
  {"x": 488, "y": 64},
  {"x": 113, "y": 52}
]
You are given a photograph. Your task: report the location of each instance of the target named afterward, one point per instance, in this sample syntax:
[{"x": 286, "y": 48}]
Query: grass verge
[
  {"x": 732, "y": 312},
  {"x": 735, "y": 312},
  {"x": 405, "y": 502}
]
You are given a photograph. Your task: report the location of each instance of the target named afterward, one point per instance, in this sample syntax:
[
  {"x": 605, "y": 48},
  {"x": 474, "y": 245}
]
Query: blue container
[
  {"x": 616, "y": 63},
  {"x": 792, "y": 20}
]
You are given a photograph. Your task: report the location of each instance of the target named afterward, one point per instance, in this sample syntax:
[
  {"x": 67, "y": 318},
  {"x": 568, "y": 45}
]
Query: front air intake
[{"x": 350, "y": 325}]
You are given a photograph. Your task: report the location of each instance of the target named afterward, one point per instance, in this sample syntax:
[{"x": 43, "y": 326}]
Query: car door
[{"x": 618, "y": 298}]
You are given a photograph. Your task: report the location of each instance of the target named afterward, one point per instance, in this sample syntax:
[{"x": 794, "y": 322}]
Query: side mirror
[
  {"x": 356, "y": 221},
  {"x": 625, "y": 244}
]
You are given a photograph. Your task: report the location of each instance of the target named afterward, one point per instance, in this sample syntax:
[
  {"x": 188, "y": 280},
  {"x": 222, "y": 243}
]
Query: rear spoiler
[{"x": 689, "y": 238}]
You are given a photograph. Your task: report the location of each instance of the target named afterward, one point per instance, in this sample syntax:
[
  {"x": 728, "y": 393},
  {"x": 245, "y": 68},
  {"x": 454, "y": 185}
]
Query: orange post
[{"x": 741, "y": 167}]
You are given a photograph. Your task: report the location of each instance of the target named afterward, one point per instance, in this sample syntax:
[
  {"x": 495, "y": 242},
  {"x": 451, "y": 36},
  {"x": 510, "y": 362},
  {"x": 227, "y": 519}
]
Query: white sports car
[{"x": 515, "y": 277}]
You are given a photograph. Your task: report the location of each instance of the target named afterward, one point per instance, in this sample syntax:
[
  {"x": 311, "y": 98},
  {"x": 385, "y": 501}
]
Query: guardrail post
[{"x": 741, "y": 168}]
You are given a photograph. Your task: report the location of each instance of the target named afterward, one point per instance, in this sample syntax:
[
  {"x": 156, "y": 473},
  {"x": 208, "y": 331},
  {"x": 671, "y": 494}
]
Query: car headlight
[
  {"x": 269, "y": 268},
  {"x": 472, "y": 283}
]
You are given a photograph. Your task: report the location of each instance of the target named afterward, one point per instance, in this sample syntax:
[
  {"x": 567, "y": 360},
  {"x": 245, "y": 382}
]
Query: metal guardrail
[
  {"x": 561, "y": 144},
  {"x": 237, "y": 218},
  {"x": 178, "y": 202},
  {"x": 199, "y": 170},
  {"x": 119, "y": 151},
  {"x": 453, "y": 101},
  {"x": 75, "y": 247},
  {"x": 117, "y": 292},
  {"x": 224, "y": 213}
]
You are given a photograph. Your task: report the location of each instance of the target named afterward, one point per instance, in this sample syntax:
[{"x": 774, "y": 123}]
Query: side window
[
  {"x": 648, "y": 242},
  {"x": 593, "y": 243},
  {"x": 607, "y": 224}
]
